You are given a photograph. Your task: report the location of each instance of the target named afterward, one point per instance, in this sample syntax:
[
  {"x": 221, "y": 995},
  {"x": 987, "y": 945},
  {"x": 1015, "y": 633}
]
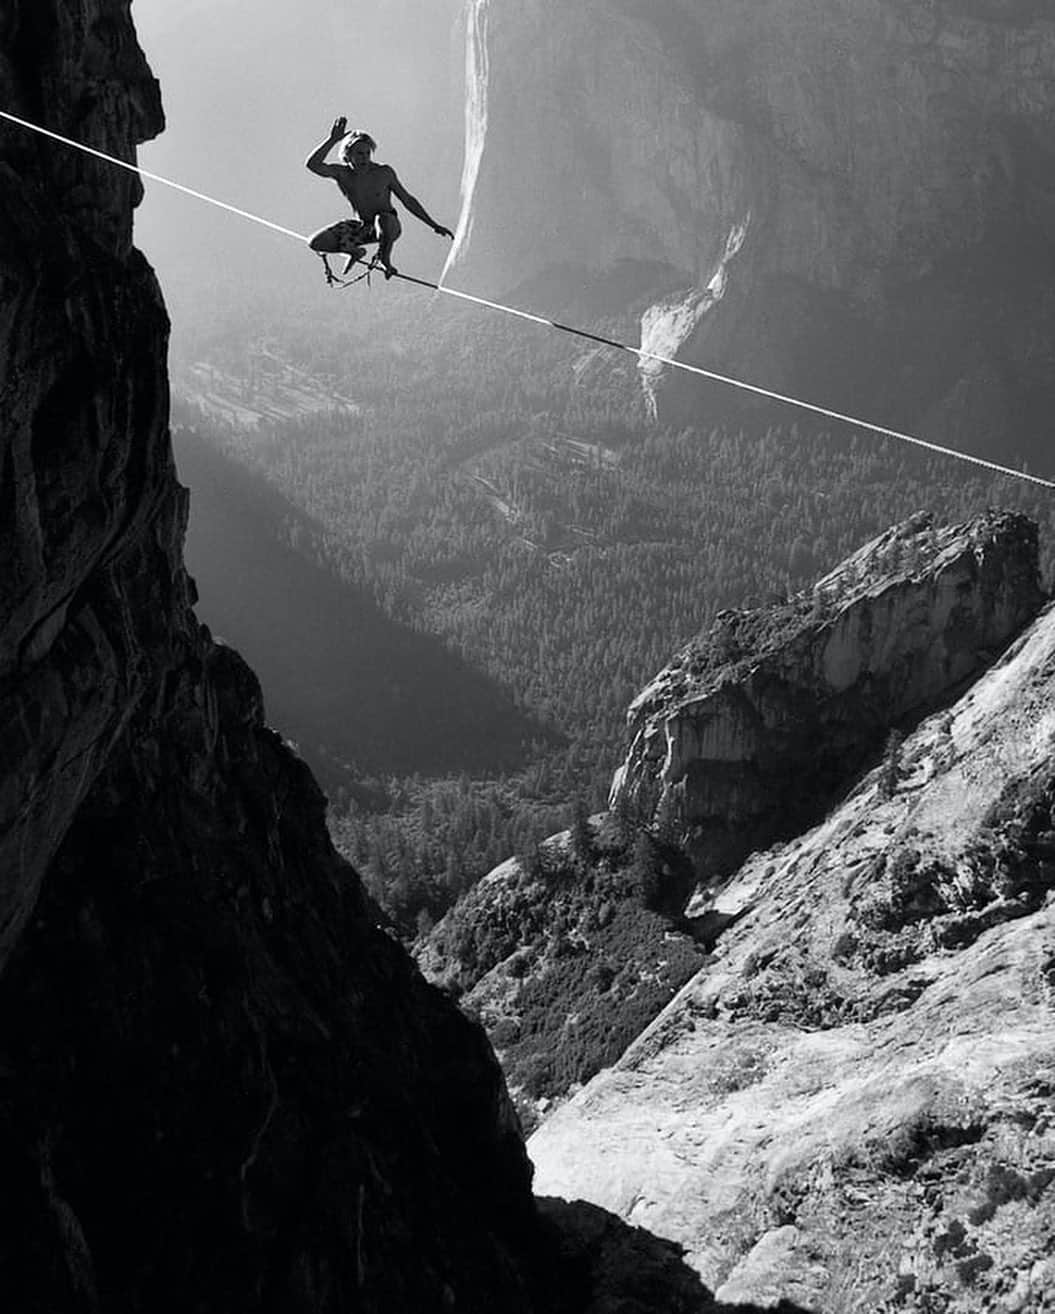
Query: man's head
[{"x": 357, "y": 148}]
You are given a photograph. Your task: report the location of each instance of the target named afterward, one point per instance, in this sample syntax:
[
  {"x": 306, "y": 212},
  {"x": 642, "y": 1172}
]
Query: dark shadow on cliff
[
  {"x": 615, "y": 1268},
  {"x": 222, "y": 1087},
  {"x": 353, "y": 688}
]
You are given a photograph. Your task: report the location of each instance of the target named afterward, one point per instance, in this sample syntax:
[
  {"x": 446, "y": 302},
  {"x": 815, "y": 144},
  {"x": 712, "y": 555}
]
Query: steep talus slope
[
  {"x": 856, "y": 194},
  {"x": 221, "y": 1086},
  {"x": 851, "y": 1104},
  {"x": 744, "y": 736}
]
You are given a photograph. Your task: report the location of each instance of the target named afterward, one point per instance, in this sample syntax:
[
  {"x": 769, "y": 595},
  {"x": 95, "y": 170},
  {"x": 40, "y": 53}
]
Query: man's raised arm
[
  {"x": 316, "y": 161},
  {"x": 417, "y": 209}
]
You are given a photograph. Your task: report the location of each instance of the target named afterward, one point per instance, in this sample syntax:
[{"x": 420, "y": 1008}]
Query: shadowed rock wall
[
  {"x": 91, "y": 515},
  {"x": 221, "y": 1086}
]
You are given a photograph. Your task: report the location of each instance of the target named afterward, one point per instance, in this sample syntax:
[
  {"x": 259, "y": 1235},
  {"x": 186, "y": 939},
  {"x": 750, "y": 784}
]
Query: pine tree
[
  {"x": 890, "y": 771},
  {"x": 582, "y": 845},
  {"x": 644, "y": 870},
  {"x": 531, "y": 862}
]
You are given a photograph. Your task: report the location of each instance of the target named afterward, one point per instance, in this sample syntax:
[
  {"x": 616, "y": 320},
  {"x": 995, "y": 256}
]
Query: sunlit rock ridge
[
  {"x": 850, "y": 1104},
  {"x": 745, "y": 735},
  {"x": 855, "y": 196}
]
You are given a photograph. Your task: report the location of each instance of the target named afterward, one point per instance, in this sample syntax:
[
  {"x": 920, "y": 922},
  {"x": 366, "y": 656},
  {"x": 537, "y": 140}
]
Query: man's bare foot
[
  {"x": 354, "y": 255},
  {"x": 389, "y": 270}
]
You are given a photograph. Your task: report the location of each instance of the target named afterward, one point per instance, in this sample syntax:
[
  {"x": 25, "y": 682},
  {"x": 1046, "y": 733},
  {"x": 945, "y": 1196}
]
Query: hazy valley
[
  {"x": 486, "y": 825},
  {"x": 490, "y": 494}
]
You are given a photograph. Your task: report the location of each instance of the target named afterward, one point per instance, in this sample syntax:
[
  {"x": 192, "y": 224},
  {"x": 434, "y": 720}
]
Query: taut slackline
[{"x": 640, "y": 352}]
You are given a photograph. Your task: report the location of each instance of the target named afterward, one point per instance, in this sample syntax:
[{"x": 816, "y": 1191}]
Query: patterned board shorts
[
  {"x": 353, "y": 232},
  {"x": 349, "y": 233}
]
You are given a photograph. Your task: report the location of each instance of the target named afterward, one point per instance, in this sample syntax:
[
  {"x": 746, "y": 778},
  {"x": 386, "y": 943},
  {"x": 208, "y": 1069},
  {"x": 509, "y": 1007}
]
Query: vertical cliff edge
[{"x": 221, "y": 1086}]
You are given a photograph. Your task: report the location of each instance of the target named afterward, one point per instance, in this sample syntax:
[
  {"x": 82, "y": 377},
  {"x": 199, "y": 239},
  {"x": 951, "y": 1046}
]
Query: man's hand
[
  {"x": 339, "y": 129},
  {"x": 440, "y": 231}
]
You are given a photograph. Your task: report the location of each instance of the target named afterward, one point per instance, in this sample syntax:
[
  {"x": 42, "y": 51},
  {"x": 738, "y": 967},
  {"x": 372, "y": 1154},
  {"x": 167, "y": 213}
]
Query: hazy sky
[{"x": 250, "y": 86}]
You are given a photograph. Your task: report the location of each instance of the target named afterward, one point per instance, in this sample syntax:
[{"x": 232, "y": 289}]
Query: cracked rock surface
[{"x": 851, "y": 1105}]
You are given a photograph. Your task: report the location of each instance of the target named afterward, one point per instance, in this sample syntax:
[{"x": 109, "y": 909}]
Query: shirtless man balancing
[{"x": 368, "y": 188}]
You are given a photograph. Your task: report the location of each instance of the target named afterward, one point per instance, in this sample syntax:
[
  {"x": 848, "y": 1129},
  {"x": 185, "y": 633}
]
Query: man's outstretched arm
[
  {"x": 417, "y": 209},
  {"x": 316, "y": 161}
]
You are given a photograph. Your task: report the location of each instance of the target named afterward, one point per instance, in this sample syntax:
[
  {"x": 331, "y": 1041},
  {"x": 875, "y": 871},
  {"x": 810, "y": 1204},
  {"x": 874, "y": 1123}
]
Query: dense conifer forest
[{"x": 506, "y": 492}]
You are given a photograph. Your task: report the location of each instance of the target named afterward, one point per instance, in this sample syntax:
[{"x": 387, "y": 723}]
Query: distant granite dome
[{"x": 855, "y": 196}]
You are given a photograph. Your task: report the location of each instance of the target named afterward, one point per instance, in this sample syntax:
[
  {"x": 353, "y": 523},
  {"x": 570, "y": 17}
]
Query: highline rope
[{"x": 640, "y": 352}]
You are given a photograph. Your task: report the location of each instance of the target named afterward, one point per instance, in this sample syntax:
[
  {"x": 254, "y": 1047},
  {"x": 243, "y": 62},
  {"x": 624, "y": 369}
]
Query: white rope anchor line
[
  {"x": 641, "y": 352},
  {"x": 749, "y": 387}
]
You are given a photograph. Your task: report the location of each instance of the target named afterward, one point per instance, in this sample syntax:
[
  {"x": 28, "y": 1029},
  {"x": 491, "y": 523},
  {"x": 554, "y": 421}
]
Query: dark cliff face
[
  {"x": 221, "y": 1087},
  {"x": 91, "y": 513},
  {"x": 855, "y": 195},
  {"x": 224, "y": 1088}
]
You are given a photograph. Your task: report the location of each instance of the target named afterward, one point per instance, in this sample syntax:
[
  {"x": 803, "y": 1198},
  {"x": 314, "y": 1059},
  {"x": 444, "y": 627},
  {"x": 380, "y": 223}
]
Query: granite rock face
[
  {"x": 221, "y": 1086},
  {"x": 850, "y": 1106},
  {"x": 855, "y": 196},
  {"x": 91, "y": 514},
  {"x": 753, "y": 726}
]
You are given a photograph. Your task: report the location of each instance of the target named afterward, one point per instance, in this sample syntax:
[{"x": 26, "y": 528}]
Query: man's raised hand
[
  {"x": 340, "y": 128},
  {"x": 440, "y": 231}
]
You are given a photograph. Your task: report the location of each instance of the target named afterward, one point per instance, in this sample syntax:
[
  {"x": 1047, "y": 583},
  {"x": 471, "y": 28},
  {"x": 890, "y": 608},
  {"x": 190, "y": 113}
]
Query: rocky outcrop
[
  {"x": 221, "y": 1085},
  {"x": 850, "y": 1105},
  {"x": 854, "y": 196},
  {"x": 755, "y": 725}
]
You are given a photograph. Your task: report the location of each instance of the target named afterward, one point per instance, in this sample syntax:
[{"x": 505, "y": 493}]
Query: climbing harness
[{"x": 640, "y": 352}]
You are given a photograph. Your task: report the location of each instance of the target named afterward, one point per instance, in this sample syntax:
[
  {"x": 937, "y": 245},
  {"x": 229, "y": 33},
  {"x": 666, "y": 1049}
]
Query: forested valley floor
[{"x": 510, "y": 547}]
